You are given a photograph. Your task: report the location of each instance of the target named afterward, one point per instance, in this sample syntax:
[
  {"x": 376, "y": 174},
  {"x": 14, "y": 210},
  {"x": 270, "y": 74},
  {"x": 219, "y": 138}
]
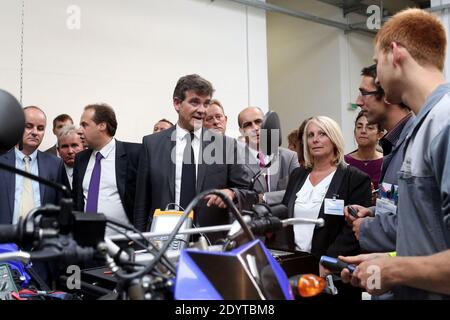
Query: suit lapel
[
  {"x": 10, "y": 180},
  {"x": 83, "y": 166},
  {"x": 254, "y": 169},
  {"x": 170, "y": 145},
  {"x": 43, "y": 172},
  {"x": 275, "y": 173},
  {"x": 121, "y": 169}
]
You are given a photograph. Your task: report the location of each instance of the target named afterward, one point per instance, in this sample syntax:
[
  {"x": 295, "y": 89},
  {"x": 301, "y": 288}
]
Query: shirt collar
[
  {"x": 69, "y": 170},
  {"x": 21, "y": 155},
  {"x": 181, "y": 133},
  {"x": 394, "y": 134},
  {"x": 107, "y": 149},
  {"x": 255, "y": 154}
]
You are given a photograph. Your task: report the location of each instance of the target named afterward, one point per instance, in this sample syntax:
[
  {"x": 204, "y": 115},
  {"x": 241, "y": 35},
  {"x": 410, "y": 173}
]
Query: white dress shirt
[
  {"x": 307, "y": 205},
  {"x": 69, "y": 173},
  {"x": 109, "y": 202},
  {"x": 180, "y": 145}
]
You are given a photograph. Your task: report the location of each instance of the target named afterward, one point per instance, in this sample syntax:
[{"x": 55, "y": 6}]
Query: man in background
[
  {"x": 69, "y": 144},
  {"x": 215, "y": 118},
  {"x": 161, "y": 125},
  {"x": 272, "y": 183},
  {"x": 104, "y": 176},
  {"x": 60, "y": 121}
]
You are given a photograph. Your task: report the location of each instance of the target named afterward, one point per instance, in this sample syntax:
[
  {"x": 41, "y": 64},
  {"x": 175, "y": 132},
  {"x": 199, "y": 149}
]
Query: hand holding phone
[
  {"x": 336, "y": 265},
  {"x": 353, "y": 212}
]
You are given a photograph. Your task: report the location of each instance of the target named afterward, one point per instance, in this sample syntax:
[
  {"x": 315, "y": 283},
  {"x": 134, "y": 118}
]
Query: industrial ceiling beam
[{"x": 303, "y": 15}]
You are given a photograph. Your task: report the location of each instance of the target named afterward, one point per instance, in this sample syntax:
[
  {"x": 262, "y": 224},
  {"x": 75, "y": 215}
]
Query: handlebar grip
[
  {"x": 9, "y": 233},
  {"x": 280, "y": 211},
  {"x": 335, "y": 265}
]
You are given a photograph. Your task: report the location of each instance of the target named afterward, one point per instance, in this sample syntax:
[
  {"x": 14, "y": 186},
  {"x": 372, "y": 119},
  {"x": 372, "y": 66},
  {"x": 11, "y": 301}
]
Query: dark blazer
[
  {"x": 50, "y": 168},
  {"x": 127, "y": 157},
  {"x": 156, "y": 180},
  {"x": 336, "y": 237}
]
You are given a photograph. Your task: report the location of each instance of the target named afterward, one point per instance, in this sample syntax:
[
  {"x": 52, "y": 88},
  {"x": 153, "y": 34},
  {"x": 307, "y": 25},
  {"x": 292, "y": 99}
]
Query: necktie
[
  {"x": 262, "y": 165},
  {"x": 27, "y": 202},
  {"x": 94, "y": 185},
  {"x": 188, "y": 178}
]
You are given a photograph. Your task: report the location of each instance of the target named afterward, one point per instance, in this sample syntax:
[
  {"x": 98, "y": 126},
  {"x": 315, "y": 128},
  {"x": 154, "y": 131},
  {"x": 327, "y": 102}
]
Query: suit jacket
[
  {"x": 282, "y": 166},
  {"x": 127, "y": 157},
  {"x": 53, "y": 150},
  {"x": 336, "y": 237},
  {"x": 156, "y": 180},
  {"x": 50, "y": 168}
]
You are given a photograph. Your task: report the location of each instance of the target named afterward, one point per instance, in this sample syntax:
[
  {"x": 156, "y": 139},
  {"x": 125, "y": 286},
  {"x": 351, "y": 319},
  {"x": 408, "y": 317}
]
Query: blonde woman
[{"x": 321, "y": 189}]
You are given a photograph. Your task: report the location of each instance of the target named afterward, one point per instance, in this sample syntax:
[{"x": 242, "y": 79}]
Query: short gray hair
[{"x": 67, "y": 131}]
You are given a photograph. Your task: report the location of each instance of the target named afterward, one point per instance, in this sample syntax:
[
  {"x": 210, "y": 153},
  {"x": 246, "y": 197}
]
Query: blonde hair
[
  {"x": 333, "y": 132},
  {"x": 420, "y": 32}
]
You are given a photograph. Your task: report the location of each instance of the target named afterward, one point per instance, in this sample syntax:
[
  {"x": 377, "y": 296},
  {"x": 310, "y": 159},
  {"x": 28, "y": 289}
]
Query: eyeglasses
[{"x": 368, "y": 93}]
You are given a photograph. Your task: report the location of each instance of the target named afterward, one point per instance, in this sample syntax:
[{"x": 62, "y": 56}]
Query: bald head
[
  {"x": 35, "y": 122},
  {"x": 250, "y": 121}
]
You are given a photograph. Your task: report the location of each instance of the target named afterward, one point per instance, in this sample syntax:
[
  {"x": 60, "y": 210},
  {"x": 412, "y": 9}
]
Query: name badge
[
  {"x": 385, "y": 206},
  {"x": 334, "y": 207}
]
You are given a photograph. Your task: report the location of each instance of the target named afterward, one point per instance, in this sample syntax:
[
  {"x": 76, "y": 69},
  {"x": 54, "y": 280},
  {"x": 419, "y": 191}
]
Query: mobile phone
[
  {"x": 353, "y": 211},
  {"x": 335, "y": 265}
]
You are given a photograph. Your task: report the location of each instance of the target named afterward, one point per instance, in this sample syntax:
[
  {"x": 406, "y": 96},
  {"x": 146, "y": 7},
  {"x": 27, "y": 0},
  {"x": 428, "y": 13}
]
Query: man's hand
[
  {"x": 323, "y": 272},
  {"x": 362, "y": 212},
  {"x": 356, "y": 227},
  {"x": 214, "y": 200},
  {"x": 372, "y": 272}
]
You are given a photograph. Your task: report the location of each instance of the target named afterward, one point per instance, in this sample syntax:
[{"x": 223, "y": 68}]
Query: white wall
[
  {"x": 130, "y": 54},
  {"x": 314, "y": 69},
  {"x": 444, "y": 15}
]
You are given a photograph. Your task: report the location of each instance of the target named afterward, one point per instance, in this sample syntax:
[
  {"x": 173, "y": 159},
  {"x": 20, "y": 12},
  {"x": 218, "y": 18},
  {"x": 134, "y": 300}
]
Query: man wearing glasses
[
  {"x": 215, "y": 118},
  {"x": 180, "y": 162},
  {"x": 376, "y": 233}
]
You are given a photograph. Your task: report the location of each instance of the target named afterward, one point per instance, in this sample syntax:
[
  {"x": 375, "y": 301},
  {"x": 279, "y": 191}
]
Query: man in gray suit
[
  {"x": 180, "y": 162},
  {"x": 271, "y": 185},
  {"x": 18, "y": 195}
]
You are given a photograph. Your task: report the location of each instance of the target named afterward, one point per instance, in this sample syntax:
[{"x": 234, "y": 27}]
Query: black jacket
[{"x": 336, "y": 237}]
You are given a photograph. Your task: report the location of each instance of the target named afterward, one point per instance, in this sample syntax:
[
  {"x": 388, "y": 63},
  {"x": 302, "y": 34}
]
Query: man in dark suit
[
  {"x": 104, "y": 176},
  {"x": 58, "y": 123},
  {"x": 178, "y": 163},
  {"x": 18, "y": 195},
  {"x": 272, "y": 184},
  {"x": 69, "y": 144}
]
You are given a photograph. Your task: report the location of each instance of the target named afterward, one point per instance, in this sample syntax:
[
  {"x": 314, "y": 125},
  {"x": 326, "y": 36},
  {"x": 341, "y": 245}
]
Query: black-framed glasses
[{"x": 369, "y": 93}]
